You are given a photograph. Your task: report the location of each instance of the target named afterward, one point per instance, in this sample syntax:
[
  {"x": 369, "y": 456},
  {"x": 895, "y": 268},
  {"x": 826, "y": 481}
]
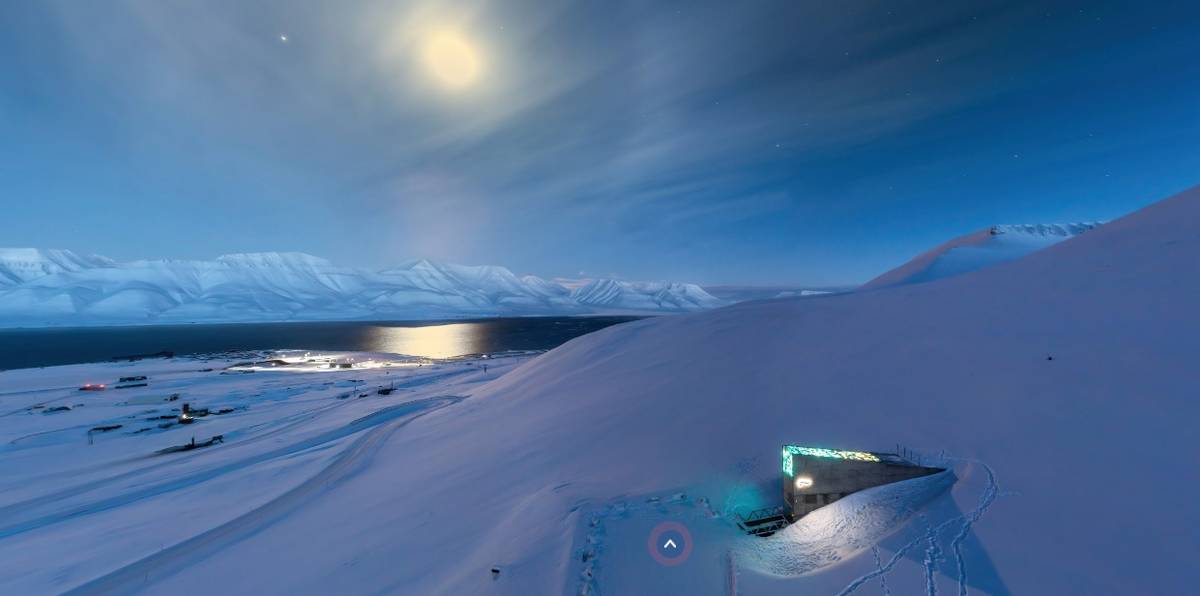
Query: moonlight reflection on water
[
  {"x": 431, "y": 341},
  {"x": 23, "y": 348}
]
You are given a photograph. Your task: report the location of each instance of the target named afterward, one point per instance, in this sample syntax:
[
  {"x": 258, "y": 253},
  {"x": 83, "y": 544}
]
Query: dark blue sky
[{"x": 789, "y": 142}]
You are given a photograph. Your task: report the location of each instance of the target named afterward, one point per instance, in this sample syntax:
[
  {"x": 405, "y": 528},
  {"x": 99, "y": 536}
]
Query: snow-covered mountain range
[
  {"x": 59, "y": 287},
  {"x": 977, "y": 250}
]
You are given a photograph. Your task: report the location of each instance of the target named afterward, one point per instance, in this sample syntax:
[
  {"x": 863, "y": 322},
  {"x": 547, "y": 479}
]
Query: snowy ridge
[
  {"x": 643, "y": 295},
  {"x": 980, "y": 249},
  {"x": 733, "y": 293},
  {"x": 18, "y": 265},
  {"x": 56, "y": 287},
  {"x": 1045, "y": 230}
]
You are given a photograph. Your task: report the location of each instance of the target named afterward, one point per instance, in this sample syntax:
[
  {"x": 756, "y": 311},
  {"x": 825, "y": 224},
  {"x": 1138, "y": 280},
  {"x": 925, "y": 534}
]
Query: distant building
[{"x": 814, "y": 477}]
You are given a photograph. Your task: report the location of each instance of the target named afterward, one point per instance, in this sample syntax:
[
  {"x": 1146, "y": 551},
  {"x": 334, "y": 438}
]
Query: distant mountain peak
[
  {"x": 273, "y": 259},
  {"x": 979, "y": 249},
  {"x": 20, "y": 265},
  {"x": 1062, "y": 231}
]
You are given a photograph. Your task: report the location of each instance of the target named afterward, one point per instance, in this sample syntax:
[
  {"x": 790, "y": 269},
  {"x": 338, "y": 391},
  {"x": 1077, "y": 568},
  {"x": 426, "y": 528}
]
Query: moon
[{"x": 451, "y": 59}]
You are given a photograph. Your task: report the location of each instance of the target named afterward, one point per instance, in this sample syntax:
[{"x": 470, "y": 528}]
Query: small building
[{"x": 814, "y": 476}]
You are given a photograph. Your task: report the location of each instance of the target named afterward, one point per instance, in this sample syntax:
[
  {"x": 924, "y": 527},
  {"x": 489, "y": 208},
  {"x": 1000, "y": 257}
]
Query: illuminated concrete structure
[{"x": 814, "y": 477}]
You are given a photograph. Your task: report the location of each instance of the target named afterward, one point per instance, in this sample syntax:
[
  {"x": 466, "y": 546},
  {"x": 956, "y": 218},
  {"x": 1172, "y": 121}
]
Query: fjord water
[{"x": 26, "y": 348}]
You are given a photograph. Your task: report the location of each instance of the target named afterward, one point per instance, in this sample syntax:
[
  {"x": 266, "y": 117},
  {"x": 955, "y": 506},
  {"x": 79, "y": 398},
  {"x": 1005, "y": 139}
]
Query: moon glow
[{"x": 451, "y": 59}]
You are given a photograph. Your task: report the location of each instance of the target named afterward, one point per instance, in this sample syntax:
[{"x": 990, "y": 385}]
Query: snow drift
[
  {"x": 58, "y": 287},
  {"x": 977, "y": 250}
]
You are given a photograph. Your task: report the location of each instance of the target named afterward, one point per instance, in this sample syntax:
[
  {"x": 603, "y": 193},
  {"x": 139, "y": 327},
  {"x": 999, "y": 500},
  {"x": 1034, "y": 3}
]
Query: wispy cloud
[{"x": 593, "y": 126}]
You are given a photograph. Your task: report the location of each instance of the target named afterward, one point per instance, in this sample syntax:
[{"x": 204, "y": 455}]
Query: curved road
[
  {"x": 375, "y": 419},
  {"x": 164, "y": 563}
]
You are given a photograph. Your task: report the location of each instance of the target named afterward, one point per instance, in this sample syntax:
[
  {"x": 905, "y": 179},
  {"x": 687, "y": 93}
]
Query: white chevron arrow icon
[{"x": 670, "y": 543}]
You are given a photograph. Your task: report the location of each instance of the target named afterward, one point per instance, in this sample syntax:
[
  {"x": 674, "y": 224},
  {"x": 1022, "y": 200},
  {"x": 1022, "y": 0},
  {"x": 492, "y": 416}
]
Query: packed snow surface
[
  {"x": 977, "y": 250},
  {"x": 58, "y": 287},
  {"x": 1059, "y": 389}
]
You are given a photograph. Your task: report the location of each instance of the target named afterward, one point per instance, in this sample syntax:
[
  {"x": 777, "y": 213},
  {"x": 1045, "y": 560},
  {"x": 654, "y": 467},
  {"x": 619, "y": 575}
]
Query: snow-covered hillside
[
  {"x": 1059, "y": 387},
  {"x": 977, "y": 250},
  {"x": 41, "y": 287},
  {"x": 1066, "y": 377}
]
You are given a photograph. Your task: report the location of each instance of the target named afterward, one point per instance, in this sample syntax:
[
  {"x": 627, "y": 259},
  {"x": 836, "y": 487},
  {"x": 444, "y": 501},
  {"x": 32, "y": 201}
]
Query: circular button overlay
[{"x": 669, "y": 543}]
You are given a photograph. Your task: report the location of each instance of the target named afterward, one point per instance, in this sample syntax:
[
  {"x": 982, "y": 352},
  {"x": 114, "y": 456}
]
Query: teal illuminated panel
[{"x": 791, "y": 450}]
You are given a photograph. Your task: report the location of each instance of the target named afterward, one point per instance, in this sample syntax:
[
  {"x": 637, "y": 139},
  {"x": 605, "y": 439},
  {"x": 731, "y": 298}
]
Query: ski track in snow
[
  {"x": 172, "y": 559},
  {"x": 988, "y": 497},
  {"x": 985, "y": 501},
  {"x": 883, "y": 587},
  {"x": 932, "y": 555}
]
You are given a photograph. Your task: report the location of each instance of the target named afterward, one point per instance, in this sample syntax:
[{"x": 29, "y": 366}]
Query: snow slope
[
  {"x": 1091, "y": 451},
  {"x": 977, "y": 250},
  {"x": 1059, "y": 387},
  {"x": 61, "y": 288}
]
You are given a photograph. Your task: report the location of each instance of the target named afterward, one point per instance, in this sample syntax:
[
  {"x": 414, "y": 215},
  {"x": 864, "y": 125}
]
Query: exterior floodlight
[{"x": 803, "y": 482}]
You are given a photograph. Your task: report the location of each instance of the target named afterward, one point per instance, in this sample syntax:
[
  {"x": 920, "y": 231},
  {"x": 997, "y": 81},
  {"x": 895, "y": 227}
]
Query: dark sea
[{"x": 26, "y": 348}]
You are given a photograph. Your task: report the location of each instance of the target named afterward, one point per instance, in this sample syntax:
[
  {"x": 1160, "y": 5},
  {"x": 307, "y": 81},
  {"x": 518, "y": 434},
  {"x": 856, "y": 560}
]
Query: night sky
[{"x": 750, "y": 142}]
